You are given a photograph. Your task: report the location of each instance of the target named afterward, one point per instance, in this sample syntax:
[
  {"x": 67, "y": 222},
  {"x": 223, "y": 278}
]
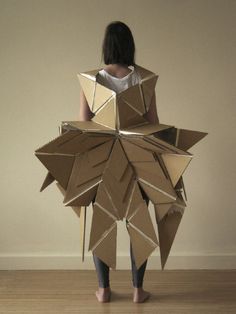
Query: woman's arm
[
  {"x": 151, "y": 115},
  {"x": 85, "y": 113}
]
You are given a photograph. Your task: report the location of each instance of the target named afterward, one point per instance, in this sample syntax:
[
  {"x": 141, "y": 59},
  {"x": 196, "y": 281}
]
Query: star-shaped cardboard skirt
[{"x": 117, "y": 161}]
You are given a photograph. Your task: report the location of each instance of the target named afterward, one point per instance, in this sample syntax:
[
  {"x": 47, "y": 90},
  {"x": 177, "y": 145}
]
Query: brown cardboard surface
[{"x": 115, "y": 161}]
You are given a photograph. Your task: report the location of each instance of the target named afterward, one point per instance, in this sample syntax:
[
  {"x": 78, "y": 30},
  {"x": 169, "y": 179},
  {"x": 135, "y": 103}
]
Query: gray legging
[{"x": 103, "y": 270}]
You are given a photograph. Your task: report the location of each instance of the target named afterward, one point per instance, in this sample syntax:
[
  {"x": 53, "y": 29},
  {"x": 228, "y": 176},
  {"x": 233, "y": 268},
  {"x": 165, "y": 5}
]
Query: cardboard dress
[{"x": 114, "y": 162}]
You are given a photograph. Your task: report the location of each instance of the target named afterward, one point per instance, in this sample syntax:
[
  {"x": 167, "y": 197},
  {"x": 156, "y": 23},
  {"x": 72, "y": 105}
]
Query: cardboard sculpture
[{"x": 115, "y": 161}]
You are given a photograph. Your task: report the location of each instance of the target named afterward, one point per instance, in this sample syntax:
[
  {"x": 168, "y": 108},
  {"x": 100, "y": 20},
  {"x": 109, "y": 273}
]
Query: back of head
[{"x": 118, "y": 44}]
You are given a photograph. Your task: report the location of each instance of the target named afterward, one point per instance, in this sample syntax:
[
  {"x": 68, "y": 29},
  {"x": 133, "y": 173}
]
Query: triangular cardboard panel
[
  {"x": 142, "y": 221},
  {"x": 133, "y": 97},
  {"x": 141, "y": 247},
  {"x": 148, "y": 88},
  {"x": 161, "y": 210},
  {"x": 104, "y": 200},
  {"x": 108, "y": 109},
  {"x": 156, "y": 196},
  {"x": 82, "y": 195},
  {"x": 47, "y": 181},
  {"x": 167, "y": 229},
  {"x": 127, "y": 115},
  {"x": 175, "y": 165},
  {"x": 135, "y": 200},
  {"x": 188, "y": 138},
  {"x": 108, "y": 257},
  {"x": 88, "y": 87},
  {"x": 102, "y": 95},
  {"x": 120, "y": 161},
  {"x": 101, "y": 223}
]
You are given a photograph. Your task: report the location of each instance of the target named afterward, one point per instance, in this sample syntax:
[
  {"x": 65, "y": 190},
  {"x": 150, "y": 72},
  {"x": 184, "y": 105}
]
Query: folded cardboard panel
[{"x": 117, "y": 160}]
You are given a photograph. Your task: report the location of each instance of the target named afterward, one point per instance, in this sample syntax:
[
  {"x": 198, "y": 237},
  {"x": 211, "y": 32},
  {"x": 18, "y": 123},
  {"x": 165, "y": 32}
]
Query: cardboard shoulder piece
[{"x": 114, "y": 162}]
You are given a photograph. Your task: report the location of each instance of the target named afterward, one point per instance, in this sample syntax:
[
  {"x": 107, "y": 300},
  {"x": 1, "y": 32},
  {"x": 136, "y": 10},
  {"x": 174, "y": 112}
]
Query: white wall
[{"x": 43, "y": 45}]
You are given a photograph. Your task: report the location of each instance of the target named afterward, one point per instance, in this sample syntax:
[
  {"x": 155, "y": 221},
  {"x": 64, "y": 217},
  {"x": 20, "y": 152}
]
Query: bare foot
[
  {"x": 140, "y": 295},
  {"x": 103, "y": 294}
]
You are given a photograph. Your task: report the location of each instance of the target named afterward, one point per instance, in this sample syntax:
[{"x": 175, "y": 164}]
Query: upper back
[{"x": 119, "y": 84}]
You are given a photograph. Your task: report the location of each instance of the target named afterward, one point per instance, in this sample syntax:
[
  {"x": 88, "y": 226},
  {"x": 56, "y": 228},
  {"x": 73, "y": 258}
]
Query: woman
[{"x": 118, "y": 53}]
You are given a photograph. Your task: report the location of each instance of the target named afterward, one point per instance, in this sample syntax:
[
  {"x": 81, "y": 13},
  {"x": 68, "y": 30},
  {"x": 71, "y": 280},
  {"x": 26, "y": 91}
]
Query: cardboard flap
[
  {"x": 144, "y": 129},
  {"x": 188, "y": 138},
  {"x": 106, "y": 115},
  {"x": 175, "y": 165},
  {"x": 148, "y": 88},
  {"x": 88, "y": 87},
  {"x": 101, "y": 96},
  {"x": 88, "y": 126}
]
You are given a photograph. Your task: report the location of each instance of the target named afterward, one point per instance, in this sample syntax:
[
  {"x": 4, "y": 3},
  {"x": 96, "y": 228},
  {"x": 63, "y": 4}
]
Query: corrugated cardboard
[{"x": 115, "y": 161}]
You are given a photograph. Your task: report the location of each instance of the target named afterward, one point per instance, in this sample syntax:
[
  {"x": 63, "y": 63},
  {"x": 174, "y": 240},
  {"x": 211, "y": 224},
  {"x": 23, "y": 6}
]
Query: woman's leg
[
  {"x": 102, "y": 272},
  {"x": 139, "y": 295},
  {"x": 137, "y": 273},
  {"x": 103, "y": 293}
]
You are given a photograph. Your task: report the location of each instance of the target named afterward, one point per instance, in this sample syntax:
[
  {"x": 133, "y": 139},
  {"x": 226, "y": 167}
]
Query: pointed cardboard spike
[
  {"x": 82, "y": 229},
  {"x": 167, "y": 229},
  {"x": 108, "y": 257},
  {"x": 101, "y": 96},
  {"x": 143, "y": 72},
  {"x": 101, "y": 223},
  {"x": 148, "y": 88},
  {"x": 175, "y": 165},
  {"x": 59, "y": 166},
  {"x": 133, "y": 96},
  {"x": 188, "y": 138},
  {"x": 47, "y": 181},
  {"x": 106, "y": 115},
  {"x": 88, "y": 87},
  {"x": 127, "y": 116},
  {"x": 161, "y": 210},
  {"x": 141, "y": 247},
  {"x": 136, "y": 153},
  {"x": 142, "y": 221}
]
